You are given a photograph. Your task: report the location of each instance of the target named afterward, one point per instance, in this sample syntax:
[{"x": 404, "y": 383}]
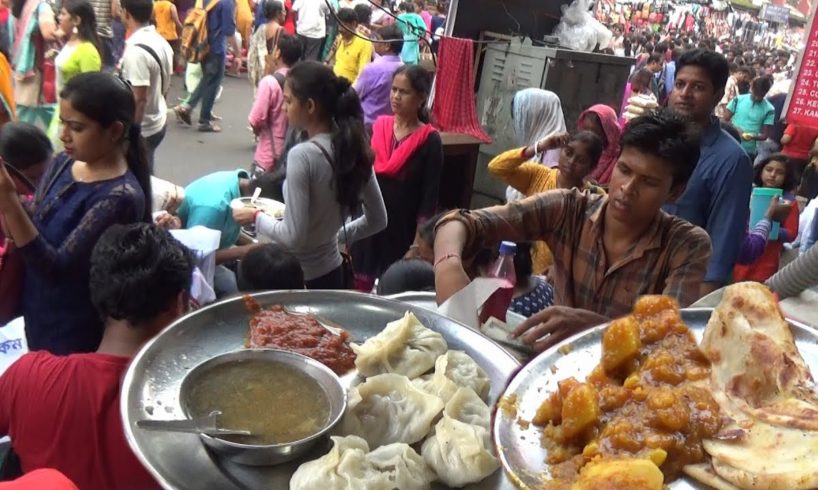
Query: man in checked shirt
[{"x": 608, "y": 250}]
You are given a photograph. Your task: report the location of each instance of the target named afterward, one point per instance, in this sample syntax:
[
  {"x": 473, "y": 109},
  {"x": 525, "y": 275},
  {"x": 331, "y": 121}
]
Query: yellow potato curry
[{"x": 647, "y": 400}]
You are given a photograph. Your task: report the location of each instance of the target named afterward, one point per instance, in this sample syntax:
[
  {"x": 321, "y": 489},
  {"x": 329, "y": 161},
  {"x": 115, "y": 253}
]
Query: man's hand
[{"x": 555, "y": 324}]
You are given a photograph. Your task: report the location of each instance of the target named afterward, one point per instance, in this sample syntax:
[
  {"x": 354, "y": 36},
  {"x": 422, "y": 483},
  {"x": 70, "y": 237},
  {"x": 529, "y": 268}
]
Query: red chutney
[{"x": 302, "y": 334}]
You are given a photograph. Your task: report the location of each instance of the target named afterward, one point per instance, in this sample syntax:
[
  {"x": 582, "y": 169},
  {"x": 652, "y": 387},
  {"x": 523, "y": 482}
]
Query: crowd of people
[{"x": 639, "y": 199}]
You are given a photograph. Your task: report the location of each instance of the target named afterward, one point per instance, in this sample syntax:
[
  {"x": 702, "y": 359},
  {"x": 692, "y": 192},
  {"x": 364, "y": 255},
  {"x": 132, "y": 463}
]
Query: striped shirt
[
  {"x": 102, "y": 12},
  {"x": 670, "y": 258}
]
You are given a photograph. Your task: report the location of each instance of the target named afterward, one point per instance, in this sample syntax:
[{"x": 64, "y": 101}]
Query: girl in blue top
[{"x": 100, "y": 179}]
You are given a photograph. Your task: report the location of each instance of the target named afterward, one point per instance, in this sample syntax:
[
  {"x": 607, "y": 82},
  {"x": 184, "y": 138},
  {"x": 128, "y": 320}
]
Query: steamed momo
[
  {"x": 403, "y": 467},
  {"x": 387, "y": 408},
  {"x": 452, "y": 370},
  {"x": 465, "y": 406},
  {"x": 344, "y": 467},
  {"x": 460, "y": 453},
  {"x": 405, "y": 347}
]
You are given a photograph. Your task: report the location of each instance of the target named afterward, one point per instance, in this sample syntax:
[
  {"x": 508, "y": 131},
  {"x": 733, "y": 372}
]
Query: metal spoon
[
  {"x": 256, "y": 193},
  {"x": 202, "y": 425}
]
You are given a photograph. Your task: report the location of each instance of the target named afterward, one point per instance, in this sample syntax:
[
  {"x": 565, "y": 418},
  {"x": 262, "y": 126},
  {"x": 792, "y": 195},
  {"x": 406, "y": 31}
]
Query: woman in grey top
[{"x": 328, "y": 177}]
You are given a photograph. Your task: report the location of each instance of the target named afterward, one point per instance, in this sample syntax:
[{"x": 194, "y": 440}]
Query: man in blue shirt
[
  {"x": 207, "y": 203},
  {"x": 221, "y": 30},
  {"x": 717, "y": 197},
  {"x": 752, "y": 115}
]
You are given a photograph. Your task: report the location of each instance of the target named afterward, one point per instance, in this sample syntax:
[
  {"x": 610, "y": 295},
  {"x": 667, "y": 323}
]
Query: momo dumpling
[
  {"x": 404, "y": 468},
  {"x": 460, "y": 453},
  {"x": 453, "y": 370},
  {"x": 405, "y": 347},
  {"x": 464, "y": 371},
  {"x": 345, "y": 467},
  {"x": 439, "y": 386},
  {"x": 388, "y": 408},
  {"x": 467, "y": 407}
]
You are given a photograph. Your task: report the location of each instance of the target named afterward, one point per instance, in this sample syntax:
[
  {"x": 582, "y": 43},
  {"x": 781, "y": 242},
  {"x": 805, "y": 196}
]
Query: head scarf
[
  {"x": 537, "y": 113},
  {"x": 607, "y": 117}
]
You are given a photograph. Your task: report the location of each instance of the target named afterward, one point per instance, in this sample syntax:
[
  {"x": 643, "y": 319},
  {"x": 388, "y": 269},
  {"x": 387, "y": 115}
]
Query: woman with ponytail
[
  {"x": 329, "y": 177},
  {"x": 100, "y": 179},
  {"x": 408, "y": 162}
]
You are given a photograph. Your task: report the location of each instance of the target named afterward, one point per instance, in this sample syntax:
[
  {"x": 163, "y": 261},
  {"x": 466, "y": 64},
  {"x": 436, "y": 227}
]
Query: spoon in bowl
[{"x": 202, "y": 425}]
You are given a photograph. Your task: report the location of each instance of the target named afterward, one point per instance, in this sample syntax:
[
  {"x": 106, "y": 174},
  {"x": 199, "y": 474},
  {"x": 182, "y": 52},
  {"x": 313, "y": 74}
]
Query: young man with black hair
[
  {"x": 375, "y": 81},
  {"x": 608, "y": 250},
  {"x": 147, "y": 64},
  {"x": 62, "y": 412},
  {"x": 718, "y": 194},
  {"x": 269, "y": 267},
  {"x": 656, "y": 64}
]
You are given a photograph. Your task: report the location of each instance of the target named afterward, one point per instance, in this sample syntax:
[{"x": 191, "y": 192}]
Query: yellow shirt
[
  {"x": 165, "y": 25},
  {"x": 351, "y": 58},
  {"x": 530, "y": 178}
]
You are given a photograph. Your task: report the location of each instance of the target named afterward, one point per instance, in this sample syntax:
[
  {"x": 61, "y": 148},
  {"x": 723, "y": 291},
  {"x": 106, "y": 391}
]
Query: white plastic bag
[
  {"x": 12, "y": 343},
  {"x": 203, "y": 242},
  {"x": 579, "y": 30}
]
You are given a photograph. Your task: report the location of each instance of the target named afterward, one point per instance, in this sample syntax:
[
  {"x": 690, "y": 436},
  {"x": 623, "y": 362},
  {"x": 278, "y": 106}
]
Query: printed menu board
[{"x": 802, "y": 108}]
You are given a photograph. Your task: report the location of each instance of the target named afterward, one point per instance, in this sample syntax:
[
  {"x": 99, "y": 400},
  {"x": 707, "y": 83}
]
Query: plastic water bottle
[{"x": 497, "y": 304}]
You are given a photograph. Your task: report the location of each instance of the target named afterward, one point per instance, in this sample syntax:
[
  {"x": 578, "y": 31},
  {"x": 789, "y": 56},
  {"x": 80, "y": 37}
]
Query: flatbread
[{"x": 765, "y": 390}]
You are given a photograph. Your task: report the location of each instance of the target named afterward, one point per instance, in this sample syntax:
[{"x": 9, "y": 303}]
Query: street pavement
[{"x": 186, "y": 154}]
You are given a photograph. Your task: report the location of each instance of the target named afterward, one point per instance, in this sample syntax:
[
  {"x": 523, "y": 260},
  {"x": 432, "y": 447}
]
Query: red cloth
[
  {"x": 389, "y": 160},
  {"x": 62, "y": 412},
  {"x": 767, "y": 265},
  {"x": 610, "y": 154},
  {"x": 802, "y": 140},
  {"x": 289, "y": 20},
  {"x": 454, "y": 105},
  {"x": 44, "y": 479}
]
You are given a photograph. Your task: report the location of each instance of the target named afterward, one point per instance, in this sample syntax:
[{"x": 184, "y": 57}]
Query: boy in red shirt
[{"x": 62, "y": 412}]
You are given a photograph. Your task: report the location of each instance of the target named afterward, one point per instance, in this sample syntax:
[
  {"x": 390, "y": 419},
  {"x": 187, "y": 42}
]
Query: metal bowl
[{"x": 269, "y": 454}]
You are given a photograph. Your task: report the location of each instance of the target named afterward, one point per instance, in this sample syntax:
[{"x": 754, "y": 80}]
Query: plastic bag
[
  {"x": 579, "y": 30},
  {"x": 13, "y": 342}
]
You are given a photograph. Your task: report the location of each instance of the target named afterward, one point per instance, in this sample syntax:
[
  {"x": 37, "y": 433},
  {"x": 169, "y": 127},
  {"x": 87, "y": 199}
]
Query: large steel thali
[
  {"x": 519, "y": 448},
  {"x": 151, "y": 386}
]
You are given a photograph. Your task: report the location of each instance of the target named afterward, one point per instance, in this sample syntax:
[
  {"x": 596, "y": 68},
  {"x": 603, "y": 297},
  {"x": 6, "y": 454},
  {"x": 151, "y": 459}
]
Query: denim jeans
[
  {"x": 152, "y": 143},
  {"x": 208, "y": 88}
]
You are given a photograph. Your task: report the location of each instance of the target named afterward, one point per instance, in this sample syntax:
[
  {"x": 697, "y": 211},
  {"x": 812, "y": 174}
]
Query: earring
[{"x": 75, "y": 30}]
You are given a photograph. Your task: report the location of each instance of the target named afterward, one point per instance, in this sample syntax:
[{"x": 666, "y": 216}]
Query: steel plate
[
  {"x": 151, "y": 385},
  {"x": 519, "y": 449}
]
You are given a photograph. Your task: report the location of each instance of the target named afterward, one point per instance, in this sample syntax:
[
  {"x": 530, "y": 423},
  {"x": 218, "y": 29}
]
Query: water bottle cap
[{"x": 508, "y": 248}]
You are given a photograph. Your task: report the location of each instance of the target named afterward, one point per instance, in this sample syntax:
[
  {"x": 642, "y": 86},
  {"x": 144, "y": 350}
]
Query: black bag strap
[
  {"x": 343, "y": 215},
  {"x": 155, "y": 56}
]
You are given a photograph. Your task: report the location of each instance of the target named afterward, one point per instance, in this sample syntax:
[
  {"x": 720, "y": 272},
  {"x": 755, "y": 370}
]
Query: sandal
[
  {"x": 183, "y": 115},
  {"x": 209, "y": 128}
]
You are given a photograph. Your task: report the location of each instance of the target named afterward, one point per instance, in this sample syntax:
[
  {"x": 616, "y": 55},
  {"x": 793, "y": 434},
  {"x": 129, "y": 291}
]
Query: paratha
[{"x": 766, "y": 392}]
